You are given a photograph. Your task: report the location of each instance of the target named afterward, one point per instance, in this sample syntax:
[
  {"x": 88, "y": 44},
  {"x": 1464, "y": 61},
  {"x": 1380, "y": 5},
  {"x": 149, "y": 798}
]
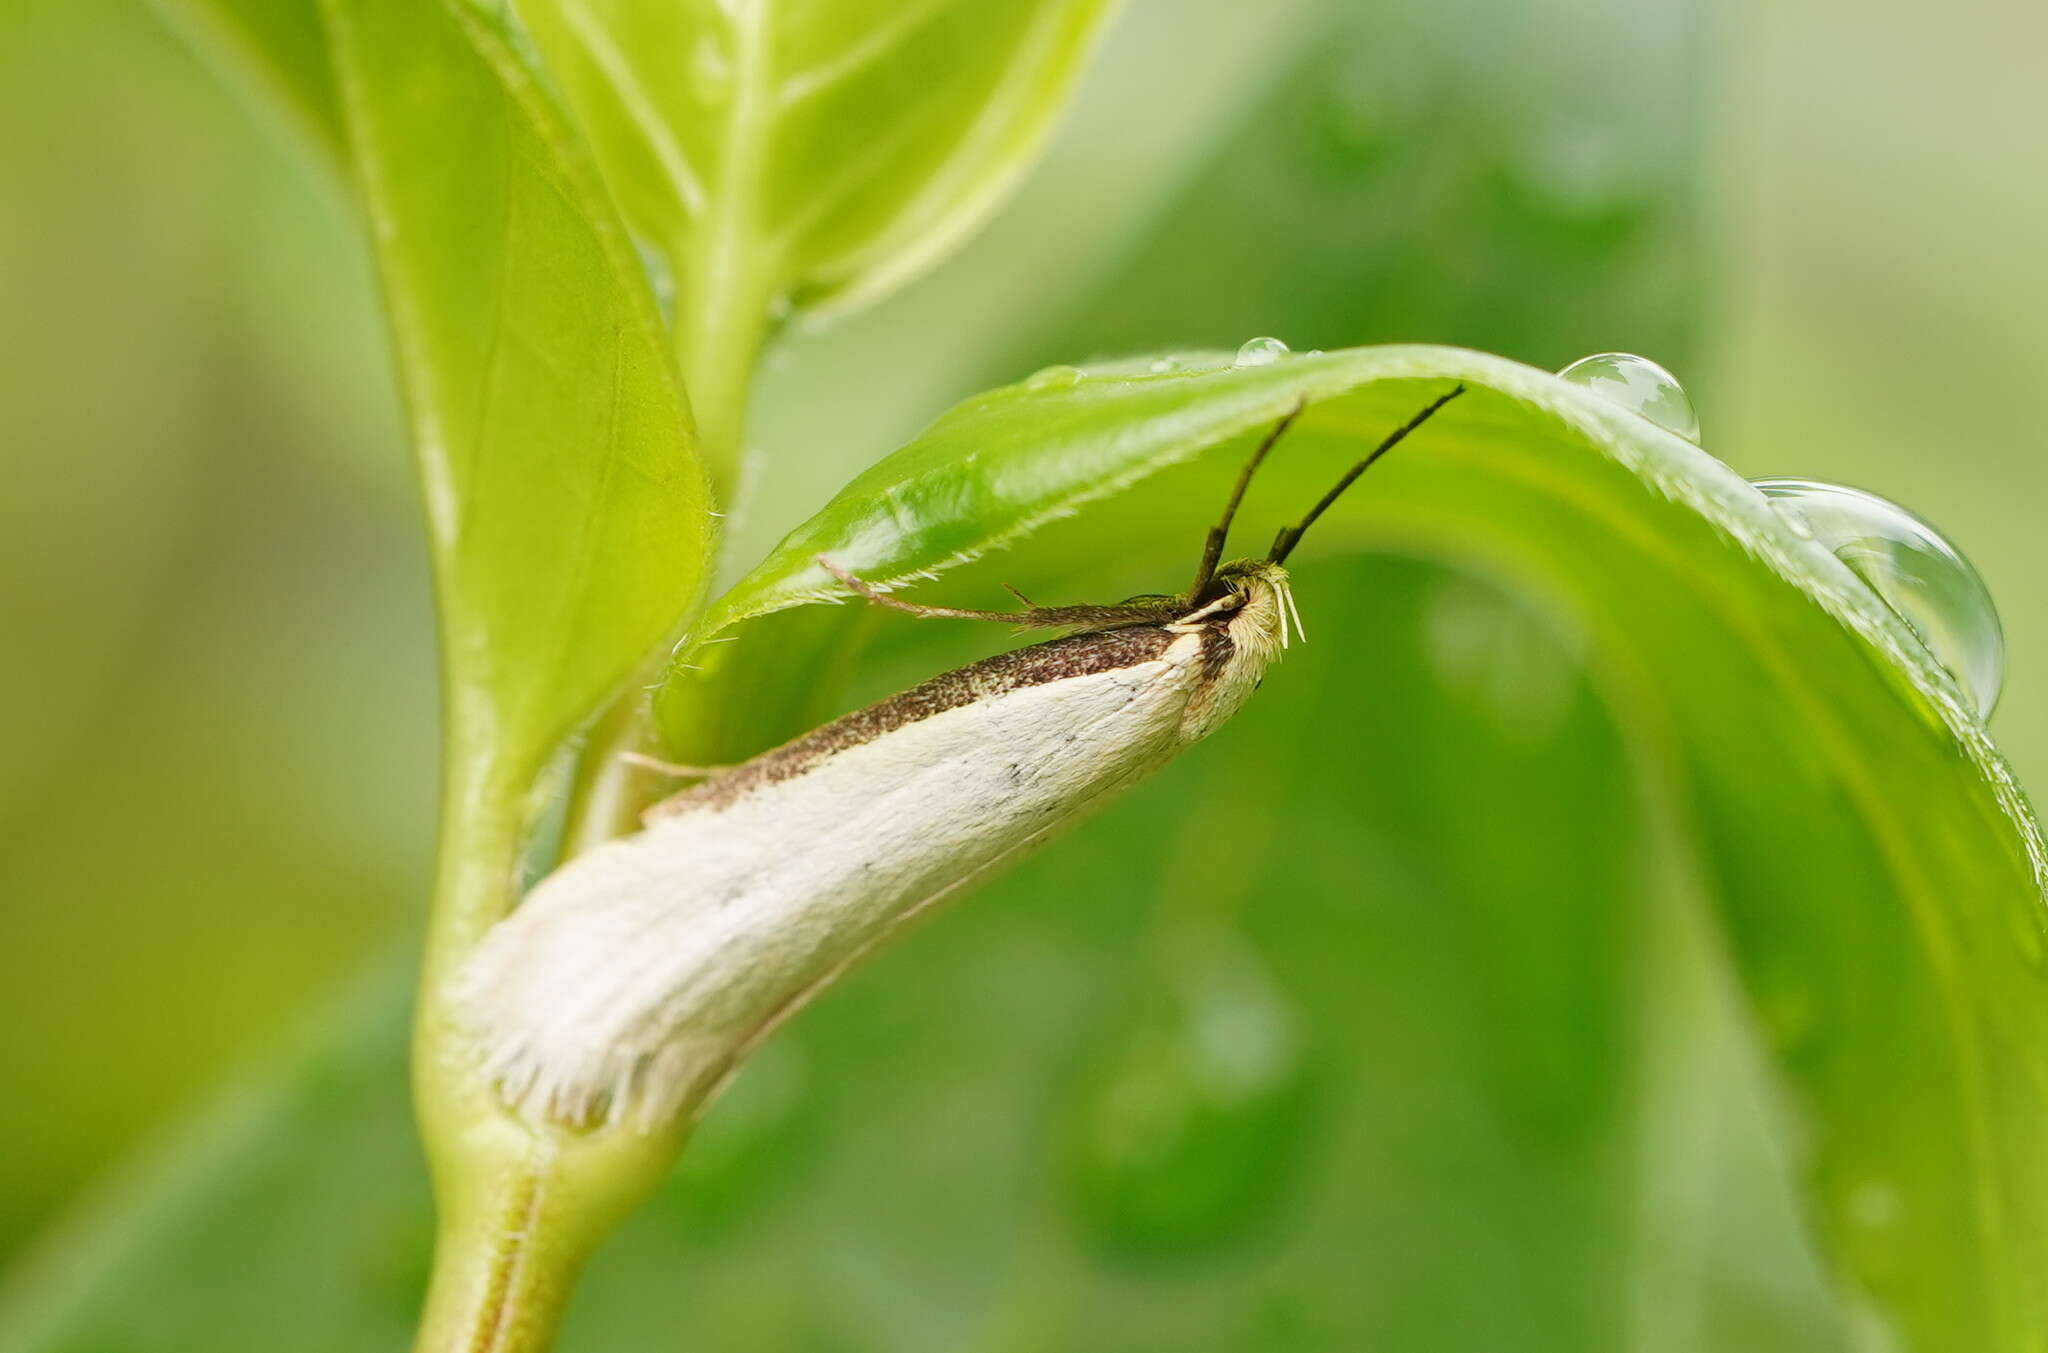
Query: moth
[{"x": 633, "y": 979}]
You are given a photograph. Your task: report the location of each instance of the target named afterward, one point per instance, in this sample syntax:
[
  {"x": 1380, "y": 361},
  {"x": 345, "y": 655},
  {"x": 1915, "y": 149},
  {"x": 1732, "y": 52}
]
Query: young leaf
[
  {"x": 566, "y": 507},
  {"x": 805, "y": 155}
]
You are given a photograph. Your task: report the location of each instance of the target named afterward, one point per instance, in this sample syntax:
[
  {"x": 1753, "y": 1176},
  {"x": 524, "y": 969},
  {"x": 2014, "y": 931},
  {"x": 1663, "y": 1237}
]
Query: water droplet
[
  {"x": 1913, "y": 568},
  {"x": 1261, "y": 352},
  {"x": 1189, "y": 1131},
  {"x": 1640, "y": 386},
  {"x": 1053, "y": 378},
  {"x": 1161, "y": 365}
]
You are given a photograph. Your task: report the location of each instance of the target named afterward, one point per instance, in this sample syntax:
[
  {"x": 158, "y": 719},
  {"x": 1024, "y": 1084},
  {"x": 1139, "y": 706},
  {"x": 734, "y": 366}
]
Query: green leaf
[
  {"x": 565, "y": 503},
  {"x": 806, "y": 156},
  {"x": 1417, "y": 171},
  {"x": 1879, "y": 889}
]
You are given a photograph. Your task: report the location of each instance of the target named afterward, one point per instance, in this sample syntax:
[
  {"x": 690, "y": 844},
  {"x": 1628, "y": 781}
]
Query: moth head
[
  {"x": 1245, "y": 617},
  {"x": 1256, "y": 604}
]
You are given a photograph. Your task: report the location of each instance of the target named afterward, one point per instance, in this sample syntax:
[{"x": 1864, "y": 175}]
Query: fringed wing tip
[{"x": 546, "y": 1074}]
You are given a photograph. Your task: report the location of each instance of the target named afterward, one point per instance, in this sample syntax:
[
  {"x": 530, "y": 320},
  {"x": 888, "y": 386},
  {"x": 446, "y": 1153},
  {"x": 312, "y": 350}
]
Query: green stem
[
  {"x": 521, "y": 1205},
  {"x": 718, "y": 340},
  {"x": 494, "y": 1290}
]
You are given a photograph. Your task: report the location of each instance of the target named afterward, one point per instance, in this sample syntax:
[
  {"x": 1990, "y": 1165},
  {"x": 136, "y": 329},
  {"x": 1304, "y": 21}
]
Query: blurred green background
[{"x": 217, "y": 766}]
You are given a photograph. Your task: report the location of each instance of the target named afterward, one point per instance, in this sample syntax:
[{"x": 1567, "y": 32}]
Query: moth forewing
[{"x": 632, "y": 979}]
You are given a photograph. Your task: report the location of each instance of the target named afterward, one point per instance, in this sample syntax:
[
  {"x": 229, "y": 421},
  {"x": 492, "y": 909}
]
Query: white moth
[{"x": 632, "y": 980}]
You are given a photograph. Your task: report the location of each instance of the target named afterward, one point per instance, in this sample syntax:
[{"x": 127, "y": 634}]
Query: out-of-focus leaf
[
  {"x": 1419, "y": 171},
  {"x": 359, "y": 1230},
  {"x": 782, "y": 155},
  {"x": 278, "y": 48},
  {"x": 565, "y": 503}
]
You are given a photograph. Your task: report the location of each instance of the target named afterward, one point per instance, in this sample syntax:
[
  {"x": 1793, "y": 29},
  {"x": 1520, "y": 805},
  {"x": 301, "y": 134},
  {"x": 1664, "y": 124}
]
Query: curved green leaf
[
  {"x": 565, "y": 503},
  {"x": 1004, "y": 463},
  {"x": 1879, "y": 886},
  {"x": 808, "y": 156}
]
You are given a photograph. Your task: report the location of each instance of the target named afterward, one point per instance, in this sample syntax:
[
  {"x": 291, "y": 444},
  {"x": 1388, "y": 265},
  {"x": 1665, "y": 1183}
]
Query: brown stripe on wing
[{"x": 1035, "y": 665}]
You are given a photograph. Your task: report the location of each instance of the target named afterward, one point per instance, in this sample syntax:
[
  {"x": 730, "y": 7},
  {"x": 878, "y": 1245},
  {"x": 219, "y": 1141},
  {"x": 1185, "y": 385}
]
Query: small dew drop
[
  {"x": 1913, "y": 568},
  {"x": 1194, "y": 1120},
  {"x": 1640, "y": 386},
  {"x": 1261, "y": 352},
  {"x": 1161, "y": 365},
  {"x": 1053, "y": 378}
]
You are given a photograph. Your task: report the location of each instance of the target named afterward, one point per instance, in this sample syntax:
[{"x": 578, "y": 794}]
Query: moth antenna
[
  {"x": 1212, "y": 551},
  {"x": 1290, "y": 536}
]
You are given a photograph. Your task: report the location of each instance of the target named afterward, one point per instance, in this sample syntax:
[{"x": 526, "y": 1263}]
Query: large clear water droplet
[
  {"x": 1053, "y": 378},
  {"x": 1189, "y": 1131},
  {"x": 1261, "y": 352},
  {"x": 1640, "y": 386},
  {"x": 1913, "y": 568}
]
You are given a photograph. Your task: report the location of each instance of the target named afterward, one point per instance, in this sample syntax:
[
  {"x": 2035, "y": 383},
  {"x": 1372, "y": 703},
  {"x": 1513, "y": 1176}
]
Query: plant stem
[
  {"x": 717, "y": 344},
  {"x": 521, "y": 1205},
  {"x": 493, "y": 1289}
]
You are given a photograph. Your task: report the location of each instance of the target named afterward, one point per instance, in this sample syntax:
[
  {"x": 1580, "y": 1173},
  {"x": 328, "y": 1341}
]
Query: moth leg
[
  {"x": 880, "y": 598},
  {"x": 670, "y": 768},
  {"x": 1025, "y": 601}
]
